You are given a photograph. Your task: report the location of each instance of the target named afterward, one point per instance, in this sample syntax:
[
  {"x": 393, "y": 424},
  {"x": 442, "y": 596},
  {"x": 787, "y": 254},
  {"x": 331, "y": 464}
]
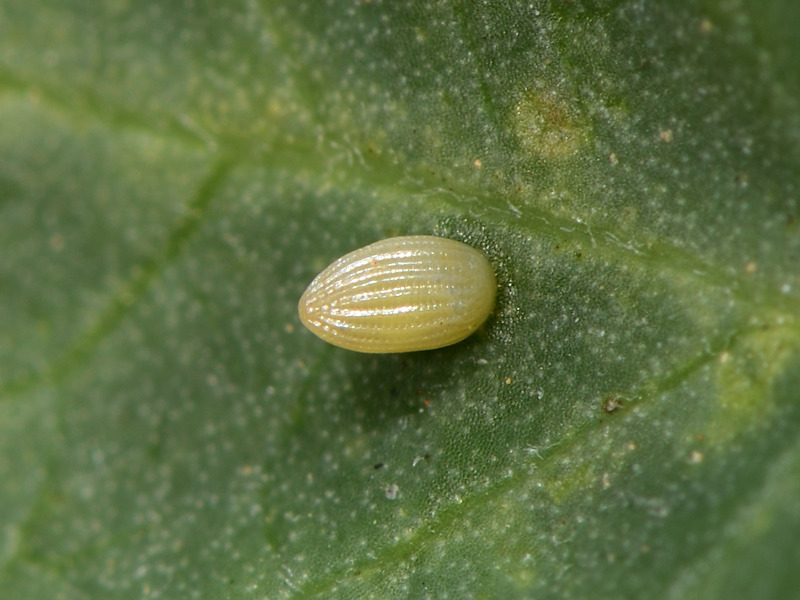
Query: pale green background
[{"x": 172, "y": 175}]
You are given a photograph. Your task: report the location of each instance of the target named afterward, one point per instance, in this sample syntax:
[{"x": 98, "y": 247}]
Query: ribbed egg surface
[{"x": 400, "y": 295}]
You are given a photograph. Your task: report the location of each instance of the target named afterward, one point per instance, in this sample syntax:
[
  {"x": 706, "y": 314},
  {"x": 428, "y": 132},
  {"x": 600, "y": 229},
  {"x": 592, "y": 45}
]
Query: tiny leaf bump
[{"x": 401, "y": 294}]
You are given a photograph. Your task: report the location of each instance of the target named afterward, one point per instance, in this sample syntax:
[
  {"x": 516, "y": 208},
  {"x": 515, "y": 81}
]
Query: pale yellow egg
[{"x": 400, "y": 295}]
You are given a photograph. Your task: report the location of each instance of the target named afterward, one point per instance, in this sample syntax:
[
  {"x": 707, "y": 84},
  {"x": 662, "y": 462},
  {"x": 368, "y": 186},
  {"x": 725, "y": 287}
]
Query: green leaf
[{"x": 172, "y": 175}]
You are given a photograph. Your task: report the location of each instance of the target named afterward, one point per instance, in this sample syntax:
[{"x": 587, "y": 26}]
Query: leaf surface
[{"x": 172, "y": 175}]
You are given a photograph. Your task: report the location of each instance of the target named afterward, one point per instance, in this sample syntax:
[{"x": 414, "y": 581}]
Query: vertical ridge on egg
[{"x": 400, "y": 295}]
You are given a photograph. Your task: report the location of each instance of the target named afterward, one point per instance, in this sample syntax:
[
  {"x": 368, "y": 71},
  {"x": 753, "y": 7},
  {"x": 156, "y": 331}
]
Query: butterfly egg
[{"x": 400, "y": 295}]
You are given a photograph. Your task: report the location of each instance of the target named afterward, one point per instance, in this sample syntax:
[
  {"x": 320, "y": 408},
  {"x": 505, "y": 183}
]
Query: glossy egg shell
[{"x": 400, "y": 295}]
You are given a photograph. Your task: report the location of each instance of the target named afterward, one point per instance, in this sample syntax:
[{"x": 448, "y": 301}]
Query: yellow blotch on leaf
[{"x": 547, "y": 125}]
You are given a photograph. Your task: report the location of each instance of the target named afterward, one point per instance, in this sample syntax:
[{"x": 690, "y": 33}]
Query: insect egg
[{"x": 400, "y": 295}]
